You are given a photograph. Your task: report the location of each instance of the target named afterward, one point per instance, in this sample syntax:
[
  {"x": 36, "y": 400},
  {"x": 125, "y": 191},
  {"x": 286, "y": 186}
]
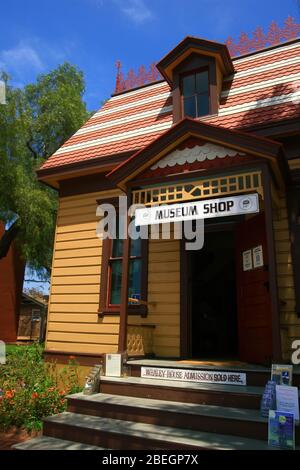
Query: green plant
[{"x": 31, "y": 389}]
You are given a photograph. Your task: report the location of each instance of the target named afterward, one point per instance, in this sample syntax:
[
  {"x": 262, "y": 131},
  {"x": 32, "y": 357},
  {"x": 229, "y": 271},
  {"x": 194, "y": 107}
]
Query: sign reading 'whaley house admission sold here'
[
  {"x": 190, "y": 375},
  {"x": 208, "y": 208}
]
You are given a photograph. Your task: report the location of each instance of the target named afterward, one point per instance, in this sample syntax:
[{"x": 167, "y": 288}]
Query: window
[
  {"x": 35, "y": 314},
  {"x": 195, "y": 94},
  {"x": 115, "y": 272},
  {"x": 111, "y": 277}
]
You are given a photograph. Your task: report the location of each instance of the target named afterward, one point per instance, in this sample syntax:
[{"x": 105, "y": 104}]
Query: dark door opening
[{"x": 212, "y": 297}]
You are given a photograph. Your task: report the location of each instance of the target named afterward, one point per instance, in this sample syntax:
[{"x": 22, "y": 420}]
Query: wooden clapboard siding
[
  {"x": 71, "y": 318},
  {"x": 79, "y": 262},
  {"x": 74, "y": 280},
  {"x": 92, "y": 327},
  {"x": 164, "y": 297},
  {"x": 290, "y": 323},
  {"x": 76, "y": 289},
  {"x": 73, "y": 322},
  {"x": 86, "y": 338},
  {"x": 79, "y": 347}
]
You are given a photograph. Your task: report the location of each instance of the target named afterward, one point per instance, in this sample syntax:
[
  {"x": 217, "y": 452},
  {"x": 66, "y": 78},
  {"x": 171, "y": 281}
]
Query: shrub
[{"x": 31, "y": 389}]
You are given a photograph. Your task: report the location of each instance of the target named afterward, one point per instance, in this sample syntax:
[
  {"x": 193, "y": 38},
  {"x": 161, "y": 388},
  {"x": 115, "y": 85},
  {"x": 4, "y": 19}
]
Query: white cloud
[
  {"x": 20, "y": 59},
  {"x": 136, "y": 10}
]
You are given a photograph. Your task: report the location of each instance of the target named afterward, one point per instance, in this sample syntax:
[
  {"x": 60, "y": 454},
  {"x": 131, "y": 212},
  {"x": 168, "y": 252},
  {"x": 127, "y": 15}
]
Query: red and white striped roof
[{"x": 264, "y": 89}]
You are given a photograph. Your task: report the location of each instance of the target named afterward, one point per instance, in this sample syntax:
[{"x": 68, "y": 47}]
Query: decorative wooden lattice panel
[
  {"x": 200, "y": 189},
  {"x": 140, "y": 340}
]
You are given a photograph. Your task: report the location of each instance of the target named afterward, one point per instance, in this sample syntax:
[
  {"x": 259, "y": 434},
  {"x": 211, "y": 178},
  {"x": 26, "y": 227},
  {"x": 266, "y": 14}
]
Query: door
[
  {"x": 213, "y": 321},
  {"x": 253, "y": 296}
]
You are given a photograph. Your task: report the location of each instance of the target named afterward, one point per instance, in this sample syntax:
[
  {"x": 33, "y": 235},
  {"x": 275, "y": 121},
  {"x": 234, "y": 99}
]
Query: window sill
[{"x": 138, "y": 310}]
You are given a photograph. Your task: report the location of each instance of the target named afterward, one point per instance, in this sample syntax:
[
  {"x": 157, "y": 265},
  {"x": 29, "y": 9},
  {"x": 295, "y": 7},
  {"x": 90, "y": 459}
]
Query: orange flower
[
  {"x": 34, "y": 395},
  {"x": 9, "y": 394},
  {"x": 51, "y": 389},
  {"x": 71, "y": 358},
  {"x": 62, "y": 392}
]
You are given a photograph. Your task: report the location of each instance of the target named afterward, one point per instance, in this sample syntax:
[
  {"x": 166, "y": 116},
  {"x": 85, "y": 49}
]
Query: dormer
[{"x": 195, "y": 70}]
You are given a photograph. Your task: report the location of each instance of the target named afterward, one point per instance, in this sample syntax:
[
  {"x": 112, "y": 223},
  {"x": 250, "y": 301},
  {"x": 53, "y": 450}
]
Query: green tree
[{"x": 35, "y": 121}]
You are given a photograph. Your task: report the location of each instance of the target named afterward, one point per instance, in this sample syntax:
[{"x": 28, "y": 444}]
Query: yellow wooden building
[{"x": 214, "y": 129}]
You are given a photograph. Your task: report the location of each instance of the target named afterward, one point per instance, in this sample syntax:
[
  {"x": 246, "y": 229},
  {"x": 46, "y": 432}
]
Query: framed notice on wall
[
  {"x": 258, "y": 258},
  {"x": 247, "y": 260}
]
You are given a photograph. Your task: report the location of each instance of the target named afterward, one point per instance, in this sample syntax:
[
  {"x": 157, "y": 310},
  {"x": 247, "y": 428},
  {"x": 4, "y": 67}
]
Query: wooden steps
[
  {"x": 52, "y": 443},
  {"x": 243, "y": 422},
  {"x": 132, "y": 413},
  {"x": 205, "y": 394},
  {"x": 129, "y": 435}
]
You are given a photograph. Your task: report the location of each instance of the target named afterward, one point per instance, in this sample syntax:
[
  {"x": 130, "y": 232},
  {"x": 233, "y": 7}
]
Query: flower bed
[{"x": 31, "y": 389}]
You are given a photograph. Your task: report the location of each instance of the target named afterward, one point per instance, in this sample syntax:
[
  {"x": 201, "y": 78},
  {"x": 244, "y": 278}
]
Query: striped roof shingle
[{"x": 264, "y": 89}]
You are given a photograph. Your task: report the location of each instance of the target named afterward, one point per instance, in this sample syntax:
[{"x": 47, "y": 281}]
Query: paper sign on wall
[
  {"x": 257, "y": 254},
  {"x": 113, "y": 365},
  {"x": 247, "y": 260}
]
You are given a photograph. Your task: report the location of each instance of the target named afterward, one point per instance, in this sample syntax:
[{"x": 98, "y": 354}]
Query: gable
[
  {"x": 223, "y": 144},
  {"x": 196, "y": 154}
]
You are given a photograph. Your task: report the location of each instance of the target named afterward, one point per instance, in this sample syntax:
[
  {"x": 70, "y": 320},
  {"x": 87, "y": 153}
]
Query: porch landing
[
  {"x": 256, "y": 375},
  {"x": 197, "y": 364}
]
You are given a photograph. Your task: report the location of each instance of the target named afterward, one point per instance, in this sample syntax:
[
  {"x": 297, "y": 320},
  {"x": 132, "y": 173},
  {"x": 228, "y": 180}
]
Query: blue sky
[{"x": 37, "y": 35}]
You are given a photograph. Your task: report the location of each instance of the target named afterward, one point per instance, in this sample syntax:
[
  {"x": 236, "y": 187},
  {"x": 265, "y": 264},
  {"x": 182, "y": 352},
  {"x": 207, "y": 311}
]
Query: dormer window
[
  {"x": 195, "y": 70},
  {"x": 195, "y": 94}
]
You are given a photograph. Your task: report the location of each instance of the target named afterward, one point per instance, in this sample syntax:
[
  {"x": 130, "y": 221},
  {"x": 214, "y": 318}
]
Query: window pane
[
  {"x": 190, "y": 106},
  {"x": 202, "y": 105},
  {"x": 135, "y": 268},
  {"x": 135, "y": 247},
  {"x": 117, "y": 248},
  {"x": 202, "y": 82},
  {"x": 188, "y": 85},
  {"x": 116, "y": 278}
]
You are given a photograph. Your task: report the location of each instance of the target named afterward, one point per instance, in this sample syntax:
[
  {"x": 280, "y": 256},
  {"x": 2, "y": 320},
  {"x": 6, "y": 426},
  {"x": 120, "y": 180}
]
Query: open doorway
[{"x": 212, "y": 297}]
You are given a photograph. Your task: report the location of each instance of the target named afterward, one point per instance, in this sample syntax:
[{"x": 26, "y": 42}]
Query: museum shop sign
[
  {"x": 209, "y": 208},
  {"x": 191, "y": 375}
]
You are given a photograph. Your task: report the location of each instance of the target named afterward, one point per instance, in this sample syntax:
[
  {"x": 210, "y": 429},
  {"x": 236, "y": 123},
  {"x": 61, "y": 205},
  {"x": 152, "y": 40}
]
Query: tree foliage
[{"x": 34, "y": 123}]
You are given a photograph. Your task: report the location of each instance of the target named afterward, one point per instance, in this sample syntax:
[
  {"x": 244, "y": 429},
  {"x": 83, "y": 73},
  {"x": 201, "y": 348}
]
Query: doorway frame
[{"x": 185, "y": 313}]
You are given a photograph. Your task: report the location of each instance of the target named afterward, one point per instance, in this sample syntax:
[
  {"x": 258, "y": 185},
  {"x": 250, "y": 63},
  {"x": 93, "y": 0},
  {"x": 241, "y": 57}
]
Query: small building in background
[{"x": 32, "y": 319}]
